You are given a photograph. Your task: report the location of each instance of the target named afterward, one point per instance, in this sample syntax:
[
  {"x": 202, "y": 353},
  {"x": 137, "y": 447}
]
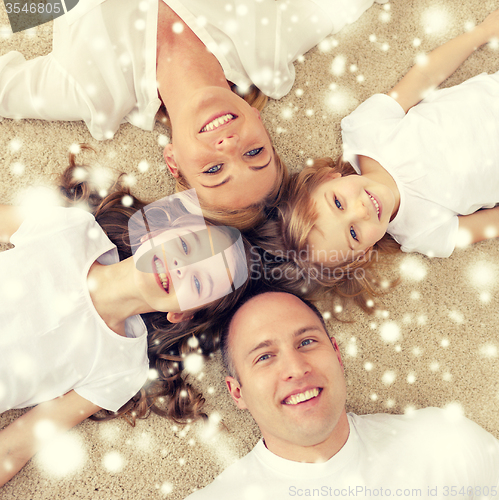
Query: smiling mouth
[
  {"x": 161, "y": 275},
  {"x": 218, "y": 122},
  {"x": 374, "y": 202},
  {"x": 295, "y": 399}
]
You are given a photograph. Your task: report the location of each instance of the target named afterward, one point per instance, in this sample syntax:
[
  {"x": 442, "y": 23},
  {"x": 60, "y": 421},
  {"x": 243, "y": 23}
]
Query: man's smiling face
[{"x": 290, "y": 375}]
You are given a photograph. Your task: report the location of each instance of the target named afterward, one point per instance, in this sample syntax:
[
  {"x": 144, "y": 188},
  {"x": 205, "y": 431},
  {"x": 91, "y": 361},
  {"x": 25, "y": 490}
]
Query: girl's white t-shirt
[
  {"x": 51, "y": 338},
  {"x": 103, "y": 66},
  {"x": 443, "y": 154}
]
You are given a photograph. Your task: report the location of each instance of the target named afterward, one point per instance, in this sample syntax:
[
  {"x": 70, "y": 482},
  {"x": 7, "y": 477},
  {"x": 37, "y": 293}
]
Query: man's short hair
[{"x": 225, "y": 328}]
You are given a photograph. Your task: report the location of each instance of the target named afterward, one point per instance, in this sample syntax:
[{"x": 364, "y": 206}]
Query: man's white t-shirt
[
  {"x": 103, "y": 66},
  {"x": 443, "y": 154},
  {"x": 51, "y": 338},
  {"x": 426, "y": 454}
]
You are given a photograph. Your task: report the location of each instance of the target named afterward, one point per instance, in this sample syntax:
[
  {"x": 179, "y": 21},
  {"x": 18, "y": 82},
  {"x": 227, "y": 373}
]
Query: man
[{"x": 288, "y": 373}]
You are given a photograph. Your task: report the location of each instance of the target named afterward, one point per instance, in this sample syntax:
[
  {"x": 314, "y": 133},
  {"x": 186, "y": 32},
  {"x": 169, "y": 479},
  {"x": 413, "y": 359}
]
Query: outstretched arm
[
  {"x": 19, "y": 441},
  {"x": 442, "y": 62},
  {"x": 481, "y": 225},
  {"x": 10, "y": 220}
]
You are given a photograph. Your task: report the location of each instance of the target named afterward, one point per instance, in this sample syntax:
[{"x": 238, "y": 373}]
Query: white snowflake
[
  {"x": 62, "y": 456},
  {"x": 390, "y": 332},
  {"x": 17, "y": 168},
  {"x": 388, "y": 377},
  {"x": 143, "y": 166},
  {"x": 413, "y": 268},
  {"x": 113, "y": 461},
  {"x": 435, "y": 20},
  {"x": 338, "y": 65},
  {"x": 488, "y": 350},
  {"x": 177, "y": 27}
]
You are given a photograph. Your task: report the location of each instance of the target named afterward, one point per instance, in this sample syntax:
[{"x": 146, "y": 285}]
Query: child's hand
[{"x": 489, "y": 27}]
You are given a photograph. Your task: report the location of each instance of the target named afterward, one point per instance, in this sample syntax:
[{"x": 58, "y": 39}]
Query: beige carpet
[{"x": 445, "y": 312}]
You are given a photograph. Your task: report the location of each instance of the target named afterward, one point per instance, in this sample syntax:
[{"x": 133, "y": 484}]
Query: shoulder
[
  {"x": 377, "y": 107},
  {"x": 439, "y": 429},
  {"x": 38, "y": 221}
]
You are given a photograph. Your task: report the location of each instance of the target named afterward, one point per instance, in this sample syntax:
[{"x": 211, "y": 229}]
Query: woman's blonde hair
[
  {"x": 297, "y": 215},
  {"x": 255, "y": 214}
]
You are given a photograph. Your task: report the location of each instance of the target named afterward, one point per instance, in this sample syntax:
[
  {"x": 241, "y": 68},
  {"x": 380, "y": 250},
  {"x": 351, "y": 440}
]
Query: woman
[{"x": 114, "y": 61}]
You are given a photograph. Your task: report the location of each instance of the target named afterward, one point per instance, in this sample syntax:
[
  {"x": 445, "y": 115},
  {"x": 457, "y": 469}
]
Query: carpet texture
[{"x": 440, "y": 321}]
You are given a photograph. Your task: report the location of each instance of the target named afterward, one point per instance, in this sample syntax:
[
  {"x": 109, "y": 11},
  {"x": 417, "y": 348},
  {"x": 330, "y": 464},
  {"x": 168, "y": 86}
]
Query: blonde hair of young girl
[
  {"x": 251, "y": 216},
  {"x": 168, "y": 343},
  {"x": 353, "y": 279}
]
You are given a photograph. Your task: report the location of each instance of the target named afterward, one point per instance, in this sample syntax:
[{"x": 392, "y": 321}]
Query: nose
[
  {"x": 227, "y": 143},
  {"x": 295, "y": 366},
  {"x": 361, "y": 211},
  {"x": 178, "y": 268}
]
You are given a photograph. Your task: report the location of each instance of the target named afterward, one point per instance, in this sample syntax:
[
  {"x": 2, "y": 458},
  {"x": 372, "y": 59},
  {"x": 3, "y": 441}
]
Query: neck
[
  {"x": 113, "y": 293},
  {"x": 320, "y": 452},
  {"x": 184, "y": 65}
]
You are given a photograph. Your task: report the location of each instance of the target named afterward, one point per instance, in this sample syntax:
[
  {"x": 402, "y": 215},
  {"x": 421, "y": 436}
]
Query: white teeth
[
  {"x": 375, "y": 203},
  {"x": 304, "y": 396},
  {"x": 160, "y": 270},
  {"x": 221, "y": 120}
]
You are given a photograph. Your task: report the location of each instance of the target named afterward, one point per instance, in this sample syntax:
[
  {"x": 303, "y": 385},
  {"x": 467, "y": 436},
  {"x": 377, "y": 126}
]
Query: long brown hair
[{"x": 168, "y": 392}]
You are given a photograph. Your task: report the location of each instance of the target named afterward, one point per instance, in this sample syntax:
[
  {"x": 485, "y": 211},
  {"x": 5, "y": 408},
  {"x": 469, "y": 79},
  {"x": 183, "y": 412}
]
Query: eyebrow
[
  {"x": 332, "y": 211},
  {"x": 297, "y": 333},
  {"x": 225, "y": 181}
]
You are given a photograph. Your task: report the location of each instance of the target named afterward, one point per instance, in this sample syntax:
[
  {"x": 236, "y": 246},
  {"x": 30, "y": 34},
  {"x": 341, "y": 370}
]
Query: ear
[
  {"x": 175, "y": 317},
  {"x": 170, "y": 160},
  {"x": 338, "y": 353},
  {"x": 234, "y": 388},
  {"x": 257, "y": 113},
  {"x": 333, "y": 175}
]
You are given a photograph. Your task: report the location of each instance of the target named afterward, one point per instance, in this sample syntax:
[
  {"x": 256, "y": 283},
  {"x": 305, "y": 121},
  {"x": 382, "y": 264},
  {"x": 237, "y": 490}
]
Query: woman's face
[
  {"x": 176, "y": 270},
  {"x": 222, "y": 149}
]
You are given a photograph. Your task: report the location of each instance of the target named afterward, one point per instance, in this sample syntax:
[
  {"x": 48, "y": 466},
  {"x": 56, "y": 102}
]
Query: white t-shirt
[
  {"x": 385, "y": 455},
  {"x": 51, "y": 338},
  {"x": 443, "y": 154},
  {"x": 103, "y": 66}
]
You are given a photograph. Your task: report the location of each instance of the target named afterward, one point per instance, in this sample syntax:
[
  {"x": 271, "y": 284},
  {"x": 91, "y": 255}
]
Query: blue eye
[
  {"x": 254, "y": 152},
  {"x": 184, "y": 245},
  {"x": 338, "y": 204},
  {"x": 264, "y": 357},
  {"x": 214, "y": 170},
  {"x": 198, "y": 285},
  {"x": 353, "y": 234},
  {"x": 307, "y": 342}
]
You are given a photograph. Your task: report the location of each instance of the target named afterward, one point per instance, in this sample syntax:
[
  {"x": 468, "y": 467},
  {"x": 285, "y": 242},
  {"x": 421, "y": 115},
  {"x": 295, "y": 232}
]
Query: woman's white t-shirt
[
  {"x": 443, "y": 154},
  {"x": 103, "y": 66},
  {"x": 51, "y": 338}
]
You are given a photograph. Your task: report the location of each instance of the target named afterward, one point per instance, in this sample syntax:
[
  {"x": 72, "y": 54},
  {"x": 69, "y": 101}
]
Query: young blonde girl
[
  {"x": 426, "y": 169},
  {"x": 79, "y": 331}
]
